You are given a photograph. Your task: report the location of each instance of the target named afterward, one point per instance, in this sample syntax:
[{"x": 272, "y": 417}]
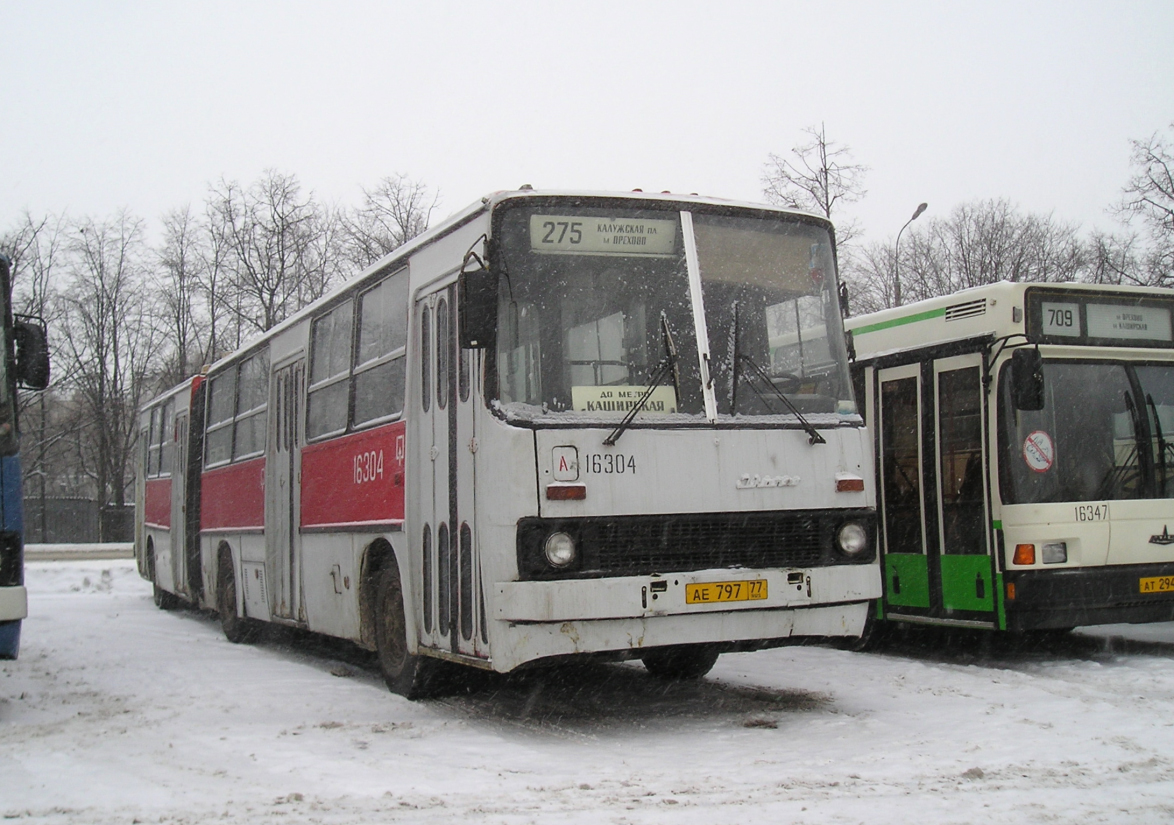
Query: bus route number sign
[
  {"x": 717, "y": 592},
  {"x": 581, "y": 235}
]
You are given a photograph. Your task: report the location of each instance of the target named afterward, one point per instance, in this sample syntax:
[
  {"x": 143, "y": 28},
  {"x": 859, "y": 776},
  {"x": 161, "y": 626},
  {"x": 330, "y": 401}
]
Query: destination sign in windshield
[
  {"x": 579, "y": 235},
  {"x": 1070, "y": 317}
]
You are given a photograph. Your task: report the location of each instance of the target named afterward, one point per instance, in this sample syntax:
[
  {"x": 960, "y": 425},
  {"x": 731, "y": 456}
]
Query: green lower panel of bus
[
  {"x": 906, "y": 580},
  {"x": 966, "y": 583}
]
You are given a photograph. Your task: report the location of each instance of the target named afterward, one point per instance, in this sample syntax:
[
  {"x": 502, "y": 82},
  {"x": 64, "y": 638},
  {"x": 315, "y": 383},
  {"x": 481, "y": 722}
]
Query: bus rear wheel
[
  {"x": 407, "y": 674},
  {"x": 681, "y": 662},
  {"x": 237, "y": 629}
]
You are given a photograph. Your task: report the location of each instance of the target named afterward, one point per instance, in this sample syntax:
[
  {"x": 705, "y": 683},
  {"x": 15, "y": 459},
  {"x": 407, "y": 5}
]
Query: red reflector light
[
  {"x": 566, "y": 492},
  {"x": 1010, "y": 591},
  {"x": 849, "y": 485},
  {"x": 1024, "y": 554}
]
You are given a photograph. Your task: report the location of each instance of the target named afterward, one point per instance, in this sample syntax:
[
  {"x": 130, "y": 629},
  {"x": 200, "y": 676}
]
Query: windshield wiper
[
  {"x": 667, "y": 366},
  {"x": 738, "y": 358},
  {"x": 1162, "y": 445}
]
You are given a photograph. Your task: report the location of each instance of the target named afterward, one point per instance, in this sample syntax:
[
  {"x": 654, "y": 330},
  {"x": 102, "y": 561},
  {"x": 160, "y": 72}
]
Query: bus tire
[
  {"x": 409, "y": 675},
  {"x": 681, "y": 662},
  {"x": 237, "y": 629},
  {"x": 163, "y": 599}
]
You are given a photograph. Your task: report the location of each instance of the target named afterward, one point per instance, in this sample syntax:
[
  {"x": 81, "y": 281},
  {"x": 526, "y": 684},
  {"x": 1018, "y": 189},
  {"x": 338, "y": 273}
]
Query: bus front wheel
[
  {"x": 681, "y": 662},
  {"x": 407, "y": 674}
]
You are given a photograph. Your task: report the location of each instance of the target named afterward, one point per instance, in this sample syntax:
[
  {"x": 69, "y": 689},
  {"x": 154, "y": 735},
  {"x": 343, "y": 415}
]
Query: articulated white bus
[
  {"x": 558, "y": 424},
  {"x": 1025, "y": 455}
]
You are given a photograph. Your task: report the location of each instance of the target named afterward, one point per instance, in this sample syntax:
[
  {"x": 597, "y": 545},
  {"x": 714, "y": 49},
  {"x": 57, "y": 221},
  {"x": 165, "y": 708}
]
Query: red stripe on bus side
[
  {"x": 354, "y": 479},
  {"x": 233, "y": 496},
  {"x": 157, "y": 502}
]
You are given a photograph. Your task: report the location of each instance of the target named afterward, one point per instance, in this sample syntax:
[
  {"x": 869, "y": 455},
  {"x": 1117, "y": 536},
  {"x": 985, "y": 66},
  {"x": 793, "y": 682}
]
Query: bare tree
[
  {"x": 395, "y": 211},
  {"x": 980, "y": 242},
  {"x": 108, "y": 335},
  {"x": 181, "y": 258},
  {"x": 1124, "y": 258},
  {"x": 277, "y": 258},
  {"x": 818, "y": 176},
  {"x": 1147, "y": 199}
]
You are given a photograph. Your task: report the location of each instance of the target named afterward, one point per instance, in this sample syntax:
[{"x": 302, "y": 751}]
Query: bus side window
[
  {"x": 252, "y": 401},
  {"x": 221, "y": 401},
  {"x": 381, "y": 356},
  {"x": 330, "y": 360}
]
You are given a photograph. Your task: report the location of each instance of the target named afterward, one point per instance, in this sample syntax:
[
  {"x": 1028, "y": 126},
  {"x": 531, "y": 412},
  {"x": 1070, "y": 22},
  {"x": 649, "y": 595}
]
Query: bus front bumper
[
  {"x": 1046, "y": 599},
  {"x": 627, "y": 614},
  {"x": 14, "y": 603}
]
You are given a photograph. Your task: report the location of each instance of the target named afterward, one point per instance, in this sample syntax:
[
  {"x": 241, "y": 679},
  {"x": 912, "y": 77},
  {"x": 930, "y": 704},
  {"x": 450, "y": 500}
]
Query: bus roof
[{"x": 994, "y": 309}]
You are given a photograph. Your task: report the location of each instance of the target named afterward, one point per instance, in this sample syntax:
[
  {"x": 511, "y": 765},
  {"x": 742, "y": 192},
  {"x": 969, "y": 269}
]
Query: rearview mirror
[
  {"x": 1027, "y": 379},
  {"x": 477, "y": 304}
]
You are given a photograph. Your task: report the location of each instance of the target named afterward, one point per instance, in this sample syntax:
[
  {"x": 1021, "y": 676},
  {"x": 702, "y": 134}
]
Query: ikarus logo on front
[{"x": 1165, "y": 537}]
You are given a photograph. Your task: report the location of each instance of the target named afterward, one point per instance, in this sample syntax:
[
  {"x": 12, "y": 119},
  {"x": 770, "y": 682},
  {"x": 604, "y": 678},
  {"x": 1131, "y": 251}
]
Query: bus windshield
[
  {"x": 594, "y": 299},
  {"x": 8, "y": 440},
  {"x": 1106, "y": 432}
]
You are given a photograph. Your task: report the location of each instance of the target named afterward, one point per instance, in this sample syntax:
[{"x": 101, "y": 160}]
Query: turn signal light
[
  {"x": 566, "y": 492},
  {"x": 1024, "y": 554},
  {"x": 849, "y": 484}
]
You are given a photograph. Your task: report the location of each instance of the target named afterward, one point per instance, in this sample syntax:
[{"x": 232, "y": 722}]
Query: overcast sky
[{"x": 141, "y": 105}]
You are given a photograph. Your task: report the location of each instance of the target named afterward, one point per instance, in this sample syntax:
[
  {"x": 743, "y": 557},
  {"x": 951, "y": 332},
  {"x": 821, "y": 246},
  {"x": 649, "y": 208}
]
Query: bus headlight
[
  {"x": 852, "y": 539},
  {"x": 560, "y": 550},
  {"x": 1055, "y": 552}
]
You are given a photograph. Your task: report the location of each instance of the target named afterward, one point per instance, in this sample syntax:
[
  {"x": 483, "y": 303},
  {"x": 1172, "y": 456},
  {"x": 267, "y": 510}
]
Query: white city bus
[
  {"x": 1025, "y": 455},
  {"x": 558, "y": 424}
]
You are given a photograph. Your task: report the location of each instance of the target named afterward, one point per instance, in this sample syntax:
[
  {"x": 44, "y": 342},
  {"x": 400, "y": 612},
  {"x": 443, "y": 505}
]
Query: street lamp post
[{"x": 897, "y": 256}]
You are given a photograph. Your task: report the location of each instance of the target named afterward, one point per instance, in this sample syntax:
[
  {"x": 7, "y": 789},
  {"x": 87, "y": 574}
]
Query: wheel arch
[{"x": 378, "y": 556}]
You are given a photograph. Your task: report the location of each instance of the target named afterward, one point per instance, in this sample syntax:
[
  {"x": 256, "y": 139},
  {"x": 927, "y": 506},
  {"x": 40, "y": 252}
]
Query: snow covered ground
[{"x": 117, "y": 712}]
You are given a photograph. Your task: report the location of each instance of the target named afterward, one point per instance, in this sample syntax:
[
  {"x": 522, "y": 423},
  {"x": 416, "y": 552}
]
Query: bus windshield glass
[
  {"x": 1109, "y": 444},
  {"x": 593, "y": 300},
  {"x": 8, "y": 439}
]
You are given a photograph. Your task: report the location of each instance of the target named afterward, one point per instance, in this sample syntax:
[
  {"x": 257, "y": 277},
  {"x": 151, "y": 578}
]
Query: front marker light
[
  {"x": 560, "y": 550},
  {"x": 852, "y": 539}
]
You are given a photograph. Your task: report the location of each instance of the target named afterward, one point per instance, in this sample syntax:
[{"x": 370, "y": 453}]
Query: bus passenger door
[
  {"x": 283, "y": 492},
  {"x": 899, "y": 430},
  {"x": 447, "y": 609},
  {"x": 179, "y": 478},
  {"x": 964, "y": 572}
]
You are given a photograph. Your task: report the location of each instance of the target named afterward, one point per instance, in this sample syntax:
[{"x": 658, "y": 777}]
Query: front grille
[
  {"x": 678, "y": 545},
  {"x": 643, "y": 545}
]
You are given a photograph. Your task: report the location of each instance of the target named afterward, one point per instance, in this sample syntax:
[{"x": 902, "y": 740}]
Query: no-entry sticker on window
[{"x": 1039, "y": 452}]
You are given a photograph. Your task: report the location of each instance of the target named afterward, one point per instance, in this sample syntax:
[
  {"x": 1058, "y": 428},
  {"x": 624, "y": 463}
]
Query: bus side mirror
[
  {"x": 477, "y": 304},
  {"x": 32, "y": 353},
  {"x": 1027, "y": 379}
]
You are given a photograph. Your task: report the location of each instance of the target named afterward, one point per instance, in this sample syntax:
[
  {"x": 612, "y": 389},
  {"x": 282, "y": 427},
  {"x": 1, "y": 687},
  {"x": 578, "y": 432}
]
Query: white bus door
[
  {"x": 283, "y": 492},
  {"x": 179, "y": 470},
  {"x": 964, "y": 574},
  {"x": 449, "y": 608}
]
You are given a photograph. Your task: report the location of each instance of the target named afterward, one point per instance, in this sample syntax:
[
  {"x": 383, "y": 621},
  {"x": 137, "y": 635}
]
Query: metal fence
[{"x": 76, "y": 521}]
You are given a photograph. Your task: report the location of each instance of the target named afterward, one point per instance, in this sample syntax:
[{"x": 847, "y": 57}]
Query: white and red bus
[{"x": 558, "y": 424}]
